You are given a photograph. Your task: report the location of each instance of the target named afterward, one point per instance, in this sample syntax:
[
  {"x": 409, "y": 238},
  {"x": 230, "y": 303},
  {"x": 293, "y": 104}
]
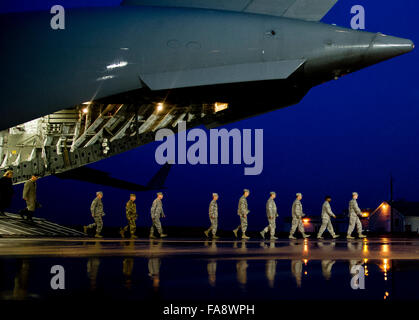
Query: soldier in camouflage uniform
[
  {"x": 213, "y": 215},
  {"x": 297, "y": 215},
  {"x": 326, "y": 223},
  {"x": 131, "y": 212},
  {"x": 156, "y": 214},
  {"x": 354, "y": 212},
  {"x": 272, "y": 214},
  {"x": 243, "y": 211},
  {"x": 96, "y": 209}
]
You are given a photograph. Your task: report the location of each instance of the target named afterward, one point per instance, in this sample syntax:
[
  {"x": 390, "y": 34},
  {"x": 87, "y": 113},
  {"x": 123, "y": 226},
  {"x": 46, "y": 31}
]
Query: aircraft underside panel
[{"x": 224, "y": 74}]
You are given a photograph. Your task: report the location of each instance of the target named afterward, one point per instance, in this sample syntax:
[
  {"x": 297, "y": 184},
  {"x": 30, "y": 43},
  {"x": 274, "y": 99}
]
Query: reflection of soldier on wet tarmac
[
  {"x": 271, "y": 272},
  {"x": 327, "y": 268},
  {"x": 96, "y": 209},
  {"x": 127, "y": 267},
  {"x": 241, "y": 268},
  {"x": 213, "y": 215},
  {"x": 243, "y": 211},
  {"x": 131, "y": 213},
  {"x": 272, "y": 214},
  {"x": 354, "y": 214},
  {"x": 20, "y": 290},
  {"x": 297, "y": 270},
  {"x": 92, "y": 272},
  {"x": 297, "y": 215},
  {"x": 154, "y": 271},
  {"x": 212, "y": 270},
  {"x": 326, "y": 223},
  {"x": 157, "y": 213}
]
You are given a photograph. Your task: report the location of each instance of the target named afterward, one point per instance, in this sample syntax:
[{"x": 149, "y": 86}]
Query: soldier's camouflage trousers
[
  {"x": 156, "y": 225},
  {"x": 296, "y": 222},
  {"x": 98, "y": 224},
  {"x": 354, "y": 220},
  {"x": 243, "y": 224},
  {"x": 326, "y": 223},
  {"x": 131, "y": 224},
  {"x": 271, "y": 227},
  {"x": 214, "y": 225}
]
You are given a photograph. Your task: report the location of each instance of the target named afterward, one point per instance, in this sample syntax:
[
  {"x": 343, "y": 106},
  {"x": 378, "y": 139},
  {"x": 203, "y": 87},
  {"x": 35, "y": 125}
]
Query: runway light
[
  {"x": 384, "y": 206},
  {"x": 306, "y": 220},
  {"x": 220, "y": 106},
  {"x": 160, "y": 107},
  {"x": 365, "y": 214}
]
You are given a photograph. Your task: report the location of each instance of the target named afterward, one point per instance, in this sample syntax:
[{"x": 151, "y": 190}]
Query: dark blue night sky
[{"x": 346, "y": 135}]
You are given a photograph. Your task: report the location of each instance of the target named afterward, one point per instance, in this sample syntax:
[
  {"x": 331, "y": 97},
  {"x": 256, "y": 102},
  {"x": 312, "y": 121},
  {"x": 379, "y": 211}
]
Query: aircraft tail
[{"x": 159, "y": 179}]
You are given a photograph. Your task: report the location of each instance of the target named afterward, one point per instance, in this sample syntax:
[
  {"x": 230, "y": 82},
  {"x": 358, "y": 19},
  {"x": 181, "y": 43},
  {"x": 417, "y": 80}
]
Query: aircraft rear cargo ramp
[{"x": 13, "y": 225}]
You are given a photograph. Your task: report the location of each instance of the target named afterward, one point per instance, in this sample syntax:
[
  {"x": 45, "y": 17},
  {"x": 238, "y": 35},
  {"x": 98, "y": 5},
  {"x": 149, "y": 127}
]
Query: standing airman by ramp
[
  {"x": 157, "y": 213},
  {"x": 6, "y": 191},
  {"x": 29, "y": 195},
  {"x": 96, "y": 209},
  {"x": 354, "y": 214},
  {"x": 326, "y": 223},
  {"x": 131, "y": 213},
  {"x": 297, "y": 215},
  {"x": 243, "y": 211},
  {"x": 272, "y": 214},
  {"x": 213, "y": 215}
]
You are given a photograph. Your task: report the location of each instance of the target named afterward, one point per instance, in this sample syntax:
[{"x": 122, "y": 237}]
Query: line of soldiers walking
[
  {"x": 297, "y": 215},
  {"x": 157, "y": 213},
  {"x": 97, "y": 212}
]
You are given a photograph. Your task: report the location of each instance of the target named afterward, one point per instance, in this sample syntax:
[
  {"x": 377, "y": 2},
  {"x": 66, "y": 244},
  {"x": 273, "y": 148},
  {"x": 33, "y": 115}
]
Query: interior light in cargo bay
[
  {"x": 160, "y": 107},
  {"x": 218, "y": 106}
]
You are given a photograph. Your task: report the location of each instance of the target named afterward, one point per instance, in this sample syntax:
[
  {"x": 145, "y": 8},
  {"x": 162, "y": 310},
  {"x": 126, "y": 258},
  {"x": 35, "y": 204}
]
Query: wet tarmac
[{"x": 197, "y": 270}]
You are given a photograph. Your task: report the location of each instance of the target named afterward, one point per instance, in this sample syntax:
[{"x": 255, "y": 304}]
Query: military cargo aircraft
[{"x": 113, "y": 76}]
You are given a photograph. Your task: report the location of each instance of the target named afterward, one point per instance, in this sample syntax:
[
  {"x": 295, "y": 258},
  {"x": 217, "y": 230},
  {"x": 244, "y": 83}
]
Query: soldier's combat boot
[
  {"x": 85, "y": 228},
  {"x": 97, "y": 235},
  {"x": 245, "y": 237},
  {"x": 215, "y": 237},
  {"x": 319, "y": 237},
  {"x": 163, "y": 235},
  {"x": 306, "y": 235},
  {"x": 122, "y": 233},
  {"x": 152, "y": 236},
  {"x": 273, "y": 238},
  {"x": 361, "y": 236},
  {"x": 349, "y": 237},
  {"x": 133, "y": 236},
  {"x": 262, "y": 233},
  {"x": 335, "y": 236},
  {"x": 235, "y": 232},
  {"x": 206, "y": 233},
  {"x": 292, "y": 237}
]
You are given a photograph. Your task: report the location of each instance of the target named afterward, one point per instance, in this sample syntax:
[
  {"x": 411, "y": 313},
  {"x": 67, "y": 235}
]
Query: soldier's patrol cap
[
  {"x": 132, "y": 195},
  {"x": 159, "y": 193},
  {"x": 99, "y": 192},
  {"x": 246, "y": 190},
  {"x": 299, "y": 194},
  {"x": 272, "y": 193},
  {"x": 354, "y": 193},
  {"x": 215, "y": 194}
]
